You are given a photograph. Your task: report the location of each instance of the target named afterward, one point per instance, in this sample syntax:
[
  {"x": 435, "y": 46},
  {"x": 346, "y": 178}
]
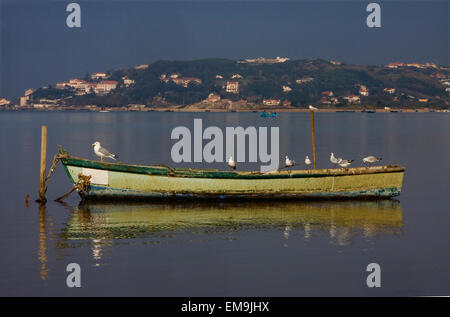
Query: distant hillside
[{"x": 292, "y": 83}]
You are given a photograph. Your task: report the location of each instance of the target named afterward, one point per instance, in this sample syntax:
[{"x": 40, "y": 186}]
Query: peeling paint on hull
[
  {"x": 153, "y": 182},
  {"x": 101, "y": 192}
]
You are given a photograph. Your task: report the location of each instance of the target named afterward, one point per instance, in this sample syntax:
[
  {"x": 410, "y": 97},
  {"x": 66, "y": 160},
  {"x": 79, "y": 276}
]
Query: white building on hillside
[
  {"x": 96, "y": 76},
  {"x": 105, "y": 86}
]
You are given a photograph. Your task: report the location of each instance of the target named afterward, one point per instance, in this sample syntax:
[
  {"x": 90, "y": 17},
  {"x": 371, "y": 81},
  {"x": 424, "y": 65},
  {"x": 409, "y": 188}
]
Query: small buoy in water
[{"x": 27, "y": 200}]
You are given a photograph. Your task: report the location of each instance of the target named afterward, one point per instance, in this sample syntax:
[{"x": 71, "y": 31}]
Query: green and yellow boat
[{"x": 106, "y": 181}]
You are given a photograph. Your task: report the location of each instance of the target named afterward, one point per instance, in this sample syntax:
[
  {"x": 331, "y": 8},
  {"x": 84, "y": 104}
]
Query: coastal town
[{"x": 227, "y": 95}]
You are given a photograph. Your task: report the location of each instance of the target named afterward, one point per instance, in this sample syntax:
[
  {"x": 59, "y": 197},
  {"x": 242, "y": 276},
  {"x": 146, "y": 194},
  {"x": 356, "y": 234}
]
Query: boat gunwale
[{"x": 163, "y": 170}]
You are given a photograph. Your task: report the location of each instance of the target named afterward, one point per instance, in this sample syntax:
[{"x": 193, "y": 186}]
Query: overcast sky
[{"x": 37, "y": 48}]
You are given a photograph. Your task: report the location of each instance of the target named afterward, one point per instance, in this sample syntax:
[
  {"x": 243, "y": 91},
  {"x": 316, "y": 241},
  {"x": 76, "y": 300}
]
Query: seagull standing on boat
[
  {"x": 345, "y": 163},
  {"x": 334, "y": 160},
  {"x": 102, "y": 152},
  {"x": 307, "y": 161},
  {"x": 231, "y": 163},
  {"x": 312, "y": 108},
  {"x": 371, "y": 159},
  {"x": 289, "y": 162}
]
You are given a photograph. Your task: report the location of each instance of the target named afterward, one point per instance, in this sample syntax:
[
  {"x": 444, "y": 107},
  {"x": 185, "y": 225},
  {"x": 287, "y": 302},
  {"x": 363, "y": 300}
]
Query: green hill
[{"x": 265, "y": 81}]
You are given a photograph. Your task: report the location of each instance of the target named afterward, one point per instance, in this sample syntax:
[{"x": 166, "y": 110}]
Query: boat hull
[{"x": 120, "y": 181}]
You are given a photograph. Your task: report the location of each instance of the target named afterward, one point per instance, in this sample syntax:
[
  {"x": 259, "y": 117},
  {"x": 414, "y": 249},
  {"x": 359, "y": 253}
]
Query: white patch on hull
[{"x": 98, "y": 177}]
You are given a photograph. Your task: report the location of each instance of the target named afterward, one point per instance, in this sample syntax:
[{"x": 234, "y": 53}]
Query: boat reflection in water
[{"x": 103, "y": 223}]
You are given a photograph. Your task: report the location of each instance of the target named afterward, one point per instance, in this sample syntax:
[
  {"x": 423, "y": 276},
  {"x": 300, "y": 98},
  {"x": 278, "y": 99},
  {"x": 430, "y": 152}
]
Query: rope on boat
[
  {"x": 56, "y": 159},
  {"x": 82, "y": 185},
  {"x": 83, "y": 180},
  {"x": 170, "y": 170}
]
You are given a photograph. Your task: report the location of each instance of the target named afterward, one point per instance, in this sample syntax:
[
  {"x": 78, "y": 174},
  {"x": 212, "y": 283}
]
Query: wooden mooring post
[
  {"x": 313, "y": 139},
  {"x": 42, "y": 198}
]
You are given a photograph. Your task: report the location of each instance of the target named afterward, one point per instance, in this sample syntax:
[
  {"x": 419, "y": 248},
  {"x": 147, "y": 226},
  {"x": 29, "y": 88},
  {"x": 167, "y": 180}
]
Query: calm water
[{"x": 226, "y": 248}]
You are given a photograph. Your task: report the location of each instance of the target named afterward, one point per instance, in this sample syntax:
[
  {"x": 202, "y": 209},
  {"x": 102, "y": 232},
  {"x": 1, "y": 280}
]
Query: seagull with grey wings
[
  {"x": 371, "y": 159},
  {"x": 307, "y": 161},
  {"x": 345, "y": 163},
  {"x": 231, "y": 163},
  {"x": 102, "y": 152},
  {"x": 334, "y": 160},
  {"x": 288, "y": 162}
]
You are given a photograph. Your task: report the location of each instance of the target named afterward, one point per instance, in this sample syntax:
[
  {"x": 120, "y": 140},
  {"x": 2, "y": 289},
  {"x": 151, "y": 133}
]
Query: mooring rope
[
  {"x": 83, "y": 180},
  {"x": 170, "y": 170},
  {"x": 82, "y": 185},
  {"x": 56, "y": 159}
]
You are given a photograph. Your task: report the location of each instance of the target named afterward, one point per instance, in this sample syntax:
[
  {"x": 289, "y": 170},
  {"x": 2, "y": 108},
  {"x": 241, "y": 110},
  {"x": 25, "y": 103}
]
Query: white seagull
[
  {"x": 334, "y": 160},
  {"x": 102, "y": 152},
  {"x": 371, "y": 159},
  {"x": 289, "y": 162},
  {"x": 345, "y": 163},
  {"x": 307, "y": 161},
  {"x": 312, "y": 108},
  {"x": 231, "y": 163}
]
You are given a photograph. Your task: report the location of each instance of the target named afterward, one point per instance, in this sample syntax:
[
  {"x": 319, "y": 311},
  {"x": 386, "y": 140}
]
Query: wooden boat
[{"x": 124, "y": 181}]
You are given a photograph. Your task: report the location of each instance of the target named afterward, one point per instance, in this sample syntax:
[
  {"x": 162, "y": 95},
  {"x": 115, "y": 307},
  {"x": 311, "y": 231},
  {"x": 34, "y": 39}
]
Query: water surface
[{"x": 223, "y": 248}]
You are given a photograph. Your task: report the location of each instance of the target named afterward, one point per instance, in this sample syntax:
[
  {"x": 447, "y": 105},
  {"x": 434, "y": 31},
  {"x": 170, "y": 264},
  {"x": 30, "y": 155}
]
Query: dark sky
[{"x": 37, "y": 48}]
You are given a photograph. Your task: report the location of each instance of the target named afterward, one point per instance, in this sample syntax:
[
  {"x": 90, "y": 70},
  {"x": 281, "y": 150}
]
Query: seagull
[
  {"x": 231, "y": 163},
  {"x": 102, "y": 152},
  {"x": 334, "y": 160},
  {"x": 312, "y": 108},
  {"x": 289, "y": 162},
  {"x": 345, "y": 163},
  {"x": 371, "y": 159},
  {"x": 307, "y": 161}
]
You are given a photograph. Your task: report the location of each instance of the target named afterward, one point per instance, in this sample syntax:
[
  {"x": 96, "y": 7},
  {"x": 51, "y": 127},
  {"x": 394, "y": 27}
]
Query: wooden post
[
  {"x": 43, "y": 160},
  {"x": 313, "y": 139}
]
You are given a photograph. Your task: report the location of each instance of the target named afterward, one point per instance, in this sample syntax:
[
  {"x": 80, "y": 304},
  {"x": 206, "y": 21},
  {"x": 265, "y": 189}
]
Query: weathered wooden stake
[
  {"x": 43, "y": 160},
  {"x": 313, "y": 140}
]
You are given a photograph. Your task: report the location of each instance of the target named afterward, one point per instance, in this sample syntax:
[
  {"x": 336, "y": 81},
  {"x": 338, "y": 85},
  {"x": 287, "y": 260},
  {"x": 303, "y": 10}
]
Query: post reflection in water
[
  {"x": 103, "y": 223},
  {"x": 42, "y": 254}
]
